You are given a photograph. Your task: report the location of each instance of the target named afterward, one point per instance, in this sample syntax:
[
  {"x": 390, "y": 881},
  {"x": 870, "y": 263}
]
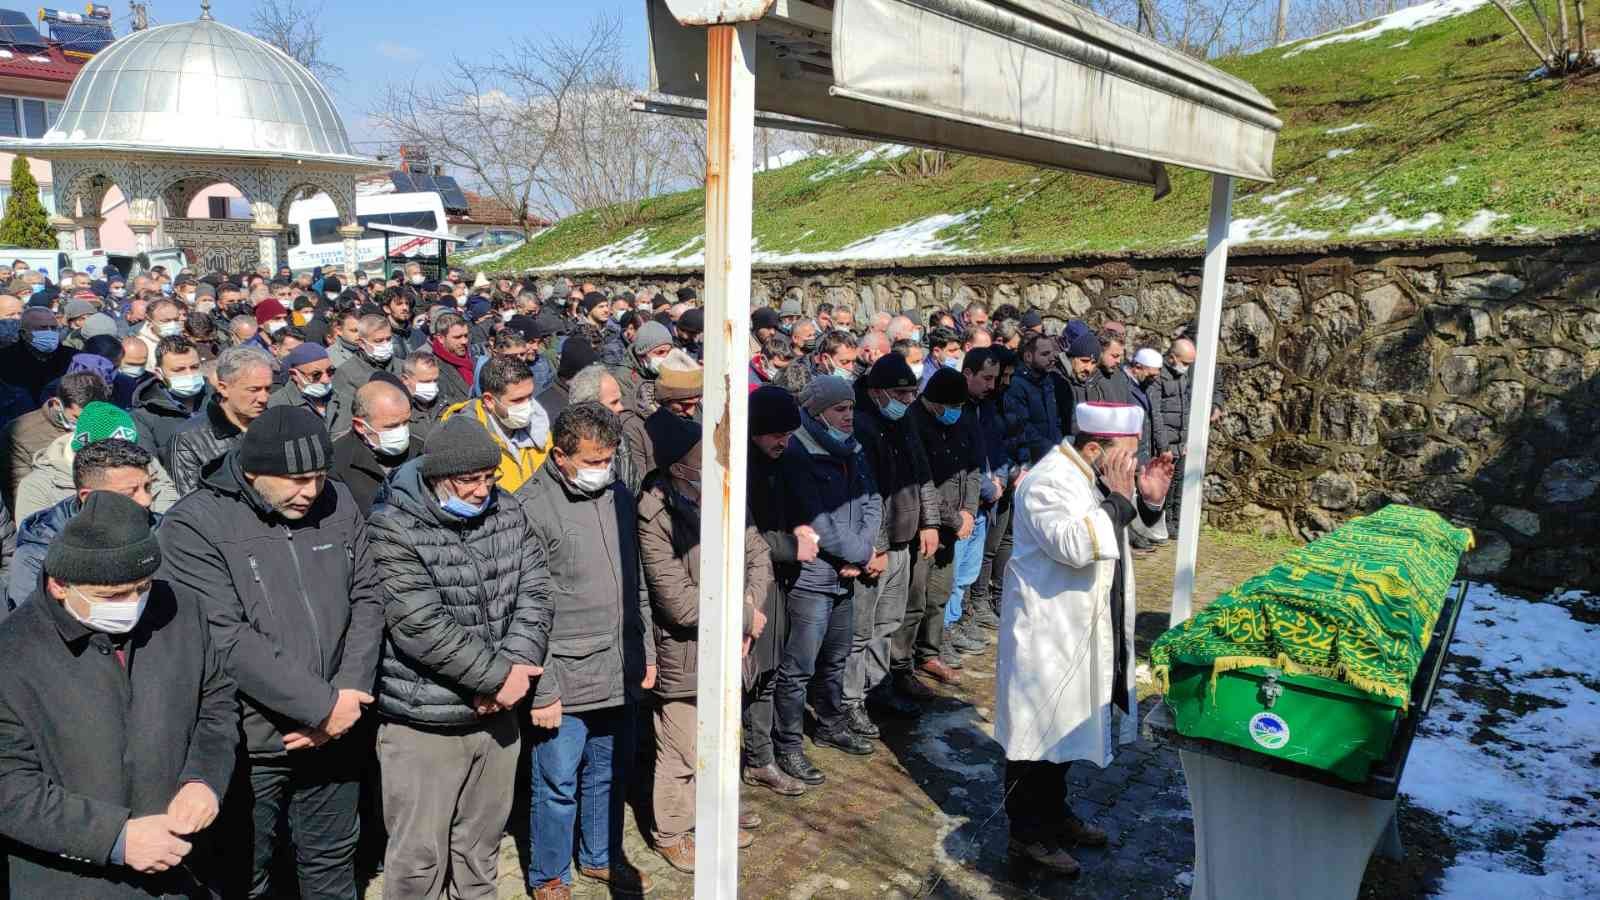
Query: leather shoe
[
  {"x": 795, "y": 765},
  {"x": 909, "y": 685},
  {"x": 553, "y": 890},
  {"x": 1077, "y": 833},
  {"x": 936, "y": 669},
  {"x": 680, "y": 856},
  {"x": 843, "y": 739},
  {"x": 1043, "y": 854},
  {"x": 859, "y": 722},
  {"x": 749, "y": 819},
  {"x": 621, "y": 878},
  {"x": 950, "y": 656},
  {"x": 966, "y": 640},
  {"x": 775, "y": 780}
]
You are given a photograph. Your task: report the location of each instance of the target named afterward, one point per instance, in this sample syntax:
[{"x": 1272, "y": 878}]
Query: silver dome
[{"x": 201, "y": 87}]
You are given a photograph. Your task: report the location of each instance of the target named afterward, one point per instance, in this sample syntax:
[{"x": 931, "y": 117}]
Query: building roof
[
  {"x": 49, "y": 64},
  {"x": 486, "y": 211},
  {"x": 200, "y": 88}
]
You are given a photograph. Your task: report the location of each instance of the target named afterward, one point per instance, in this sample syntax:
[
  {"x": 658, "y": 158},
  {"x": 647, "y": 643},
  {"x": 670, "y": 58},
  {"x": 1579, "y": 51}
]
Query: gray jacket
[
  {"x": 602, "y": 636},
  {"x": 1169, "y": 409}
]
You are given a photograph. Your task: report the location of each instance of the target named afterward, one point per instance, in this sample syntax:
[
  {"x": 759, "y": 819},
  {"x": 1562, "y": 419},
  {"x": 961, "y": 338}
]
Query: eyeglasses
[{"x": 473, "y": 480}]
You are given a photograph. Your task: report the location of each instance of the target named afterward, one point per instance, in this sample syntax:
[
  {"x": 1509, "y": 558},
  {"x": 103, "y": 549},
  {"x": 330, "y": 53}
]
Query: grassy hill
[{"x": 1418, "y": 124}]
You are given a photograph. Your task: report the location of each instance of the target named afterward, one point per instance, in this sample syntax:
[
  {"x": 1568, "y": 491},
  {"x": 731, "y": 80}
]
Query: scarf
[
  {"x": 1357, "y": 605},
  {"x": 462, "y": 364}
]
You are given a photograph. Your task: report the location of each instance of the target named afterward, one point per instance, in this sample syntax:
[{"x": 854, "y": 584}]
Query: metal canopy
[{"x": 1043, "y": 83}]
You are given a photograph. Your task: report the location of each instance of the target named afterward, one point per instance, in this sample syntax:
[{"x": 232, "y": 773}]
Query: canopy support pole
[
  {"x": 730, "y": 140},
  {"x": 1204, "y": 376}
]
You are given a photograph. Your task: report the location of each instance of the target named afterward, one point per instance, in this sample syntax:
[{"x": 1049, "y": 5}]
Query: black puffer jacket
[
  {"x": 208, "y": 435},
  {"x": 293, "y": 604},
  {"x": 900, "y": 468},
  {"x": 464, "y": 599},
  {"x": 160, "y": 414}
]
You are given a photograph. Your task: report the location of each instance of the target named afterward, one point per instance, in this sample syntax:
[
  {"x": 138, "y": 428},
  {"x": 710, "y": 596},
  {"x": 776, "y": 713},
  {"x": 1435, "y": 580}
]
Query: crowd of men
[{"x": 296, "y": 570}]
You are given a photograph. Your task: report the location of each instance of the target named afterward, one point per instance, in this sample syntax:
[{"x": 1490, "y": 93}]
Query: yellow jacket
[{"x": 516, "y": 466}]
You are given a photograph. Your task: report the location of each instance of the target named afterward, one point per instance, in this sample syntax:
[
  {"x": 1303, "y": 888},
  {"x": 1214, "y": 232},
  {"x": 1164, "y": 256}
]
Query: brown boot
[
  {"x": 936, "y": 669},
  {"x": 553, "y": 890},
  {"x": 1078, "y": 833},
  {"x": 749, "y": 819},
  {"x": 775, "y": 780},
  {"x": 1043, "y": 854},
  {"x": 680, "y": 856},
  {"x": 621, "y": 878}
]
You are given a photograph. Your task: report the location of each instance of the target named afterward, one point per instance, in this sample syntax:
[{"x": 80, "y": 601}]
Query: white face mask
[
  {"x": 417, "y": 279},
  {"x": 519, "y": 416},
  {"x": 916, "y": 368},
  {"x": 170, "y": 329},
  {"x": 111, "y": 617},
  {"x": 1180, "y": 368},
  {"x": 426, "y": 391},
  {"x": 316, "y": 390},
  {"x": 119, "y": 293},
  {"x": 506, "y": 314},
  {"x": 381, "y": 353},
  {"x": 276, "y": 325},
  {"x": 592, "y": 480},
  {"x": 186, "y": 385},
  {"x": 132, "y": 371},
  {"x": 391, "y": 442}
]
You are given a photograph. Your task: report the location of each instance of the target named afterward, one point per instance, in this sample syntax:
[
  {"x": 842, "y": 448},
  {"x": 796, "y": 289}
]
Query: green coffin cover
[{"x": 1340, "y": 625}]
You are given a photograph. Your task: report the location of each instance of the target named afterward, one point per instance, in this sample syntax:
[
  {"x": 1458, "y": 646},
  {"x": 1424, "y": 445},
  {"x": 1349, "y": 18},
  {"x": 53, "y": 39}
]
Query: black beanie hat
[
  {"x": 891, "y": 372},
  {"x": 947, "y": 387},
  {"x": 773, "y": 410},
  {"x": 286, "y": 440},
  {"x": 591, "y": 300},
  {"x": 765, "y": 317},
  {"x": 671, "y": 436},
  {"x": 109, "y": 541},
  {"x": 687, "y": 294},
  {"x": 577, "y": 354},
  {"x": 693, "y": 320},
  {"x": 457, "y": 447}
]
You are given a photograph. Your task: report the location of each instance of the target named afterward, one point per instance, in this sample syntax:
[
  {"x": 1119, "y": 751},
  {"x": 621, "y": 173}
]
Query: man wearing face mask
[
  {"x": 956, "y": 465},
  {"x": 27, "y": 435},
  {"x": 516, "y": 423},
  {"x": 10, "y": 320},
  {"x": 691, "y": 328},
  {"x": 278, "y": 558},
  {"x": 832, "y": 488},
  {"x": 163, "y": 319},
  {"x": 375, "y": 353},
  {"x": 107, "y": 794},
  {"x": 679, "y": 386},
  {"x": 1170, "y": 392},
  {"x": 908, "y": 538},
  {"x": 650, "y": 346},
  {"x": 271, "y": 317},
  {"x": 35, "y": 360},
  {"x": 419, "y": 374},
  {"x": 467, "y": 598},
  {"x": 1065, "y": 687},
  {"x": 164, "y": 405},
  {"x": 379, "y": 441},
  {"x": 602, "y": 655},
  {"x": 944, "y": 352},
  {"x": 308, "y": 382}
]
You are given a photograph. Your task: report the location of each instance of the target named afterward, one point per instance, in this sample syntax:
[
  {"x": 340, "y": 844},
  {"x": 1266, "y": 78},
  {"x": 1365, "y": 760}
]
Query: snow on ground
[
  {"x": 1481, "y": 223},
  {"x": 786, "y": 158},
  {"x": 479, "y": 259},
  {"x": 1346, "y": 129},
  {"x": 1383, "y": 222},
  {"x": 1340, "y": 151},
  {"x": 882, "y": 151},
  {"x": 1506, "y": 781},
  {"x": 1329, "y": 202},
  {"x": 1275, "y": 200},
  {"x": 1409, "y": 19}
]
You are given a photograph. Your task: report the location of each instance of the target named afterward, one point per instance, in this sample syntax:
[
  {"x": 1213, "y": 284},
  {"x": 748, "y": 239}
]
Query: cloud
[{"x": 398, "y": 52}]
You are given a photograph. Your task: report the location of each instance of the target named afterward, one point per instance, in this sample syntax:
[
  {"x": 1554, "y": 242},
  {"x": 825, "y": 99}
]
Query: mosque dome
[{"x": 201, "y": 88}]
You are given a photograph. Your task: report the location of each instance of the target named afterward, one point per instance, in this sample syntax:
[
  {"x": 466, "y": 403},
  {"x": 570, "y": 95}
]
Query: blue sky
[{"x": 379, "y": 41}]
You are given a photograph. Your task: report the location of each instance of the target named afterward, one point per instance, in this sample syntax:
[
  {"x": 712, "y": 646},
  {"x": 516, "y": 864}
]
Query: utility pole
[
  {"x": 141, "y": 19},
  {"x": 1281, "y": 33}
]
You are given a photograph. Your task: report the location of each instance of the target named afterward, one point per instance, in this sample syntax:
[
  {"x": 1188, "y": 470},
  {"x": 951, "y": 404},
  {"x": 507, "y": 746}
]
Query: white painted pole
[
  {"x": 1204, "y": 374},
  {"x": 730, "y": 140}
]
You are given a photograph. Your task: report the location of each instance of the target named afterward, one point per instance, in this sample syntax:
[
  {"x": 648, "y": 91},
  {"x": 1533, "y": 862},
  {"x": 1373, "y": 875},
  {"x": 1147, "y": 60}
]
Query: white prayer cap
[
  {"x": 1148, "y": 358},
  {"x": 1112, "y": 420}
]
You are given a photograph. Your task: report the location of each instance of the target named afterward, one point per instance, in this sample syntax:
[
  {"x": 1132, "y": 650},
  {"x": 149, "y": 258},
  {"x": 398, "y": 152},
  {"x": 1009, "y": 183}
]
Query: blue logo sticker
[{"x": 1269, "y": 730}]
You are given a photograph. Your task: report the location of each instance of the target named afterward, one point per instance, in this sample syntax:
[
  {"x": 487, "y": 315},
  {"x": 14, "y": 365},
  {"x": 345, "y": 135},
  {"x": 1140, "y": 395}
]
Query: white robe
[{"x": 1056, "y": 664}]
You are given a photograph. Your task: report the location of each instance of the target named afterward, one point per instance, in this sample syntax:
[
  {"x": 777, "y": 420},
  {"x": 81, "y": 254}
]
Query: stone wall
[{"x": 1460, "y": 378}]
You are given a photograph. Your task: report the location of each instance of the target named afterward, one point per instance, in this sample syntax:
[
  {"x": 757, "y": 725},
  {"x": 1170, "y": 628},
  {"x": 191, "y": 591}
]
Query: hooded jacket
[
  {"x": 294, "y": 605},
  {"x": 25, "y": 437},
  {"x": 832, "y": 489},
  {"x": 464, "y": 599},
  {"x": 517, "y": 464},
  {"x": 207, "y": 436},
  {"x": 899, "y": 466},
  {"x": 50, "y": 482},
  {"x": 602, "y": 637},
  {"x": 160, "y": 414},
  {"x": 33, "y": 542},
  {"x": 669, "y": 545},
  {"x": 87, "y": 743}
]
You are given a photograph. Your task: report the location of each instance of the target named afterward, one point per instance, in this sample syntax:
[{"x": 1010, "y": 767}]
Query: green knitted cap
[{"x": 100, "y": 421}]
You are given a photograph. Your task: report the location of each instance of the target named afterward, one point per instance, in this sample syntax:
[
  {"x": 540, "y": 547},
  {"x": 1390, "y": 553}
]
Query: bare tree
[
  {"x": 502, "y": 122},
  {"x": 296, "y": 30},
  {"x": 1563, "y": 51}
]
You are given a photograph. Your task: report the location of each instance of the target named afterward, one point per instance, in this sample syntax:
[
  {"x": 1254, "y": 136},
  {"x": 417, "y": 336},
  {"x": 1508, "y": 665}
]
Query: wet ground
[{"x": 921, "y": 816}]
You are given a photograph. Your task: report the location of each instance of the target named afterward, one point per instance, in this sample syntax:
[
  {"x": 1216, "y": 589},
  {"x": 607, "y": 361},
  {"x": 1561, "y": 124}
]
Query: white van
[
  {"x": 313, "y": 238},
  {"x": 51, "y": 262}
]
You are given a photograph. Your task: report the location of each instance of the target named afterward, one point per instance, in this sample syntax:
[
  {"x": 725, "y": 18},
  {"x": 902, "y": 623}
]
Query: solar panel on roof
[
  {"x": 402, "y": 181},
  {"x": 82, "y": 38},
  {"x": 16, "y": 30},
  {"x": 450, "y": 193}
]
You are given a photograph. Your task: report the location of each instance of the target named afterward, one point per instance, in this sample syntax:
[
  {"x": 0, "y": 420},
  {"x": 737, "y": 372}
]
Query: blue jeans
[
  {"x": 580, "y": 777},
  {"x": 969, "y": 562},
  {"x": 814, "y": 656}
]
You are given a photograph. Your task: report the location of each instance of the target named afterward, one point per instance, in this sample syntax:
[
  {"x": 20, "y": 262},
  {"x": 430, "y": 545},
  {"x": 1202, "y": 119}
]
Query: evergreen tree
[{"x": 26, "y": 223}]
